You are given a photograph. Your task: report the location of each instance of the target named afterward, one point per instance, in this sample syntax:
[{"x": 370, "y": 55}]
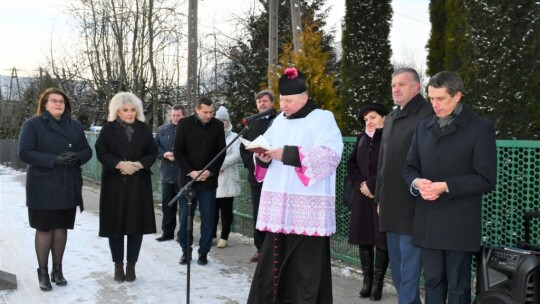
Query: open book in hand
[{"x": 259, "y": 145}]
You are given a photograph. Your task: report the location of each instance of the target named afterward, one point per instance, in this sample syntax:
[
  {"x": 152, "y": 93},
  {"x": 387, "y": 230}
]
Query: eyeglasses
[{"x": 59, "y": 101}]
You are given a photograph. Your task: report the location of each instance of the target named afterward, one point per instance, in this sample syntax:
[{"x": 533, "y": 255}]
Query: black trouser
[
  {"x": 134, "y": 242},
  {"x": 225, "y": 205},
  {"x": 447, "y": 276},
  {"x": 168, "y": 222},
  {"x": 258, "y": 236}
]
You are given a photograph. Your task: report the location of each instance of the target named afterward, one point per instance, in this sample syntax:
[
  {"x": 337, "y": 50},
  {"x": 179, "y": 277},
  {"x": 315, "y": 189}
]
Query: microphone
[{"x": 253, "y": 117}]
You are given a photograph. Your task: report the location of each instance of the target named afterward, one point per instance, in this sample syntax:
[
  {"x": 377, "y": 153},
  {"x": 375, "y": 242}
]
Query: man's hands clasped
[
  {"x": 430, "y": 190},
  {"x": 202, "y": 177}
]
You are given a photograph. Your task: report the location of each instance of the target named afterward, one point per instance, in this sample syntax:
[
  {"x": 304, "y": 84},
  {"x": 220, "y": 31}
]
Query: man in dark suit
[
  {"x": 396, "y": 205},
  {"x": 168, "y": 169},
  {"x": 199, "y": 139},
  {"x": 452, "y": 161},
  {"x": 265, "y": 102}
]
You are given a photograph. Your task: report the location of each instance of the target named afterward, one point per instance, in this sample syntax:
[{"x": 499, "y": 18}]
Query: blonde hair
[{"x": 121, "y": 99}]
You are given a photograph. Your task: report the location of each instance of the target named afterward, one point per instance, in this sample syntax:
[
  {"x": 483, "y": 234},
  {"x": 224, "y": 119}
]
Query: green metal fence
[{"x": 517, "y": 191}]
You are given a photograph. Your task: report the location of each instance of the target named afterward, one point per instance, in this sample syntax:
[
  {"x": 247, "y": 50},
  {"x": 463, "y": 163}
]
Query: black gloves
[{"x": 67, "y": 159}]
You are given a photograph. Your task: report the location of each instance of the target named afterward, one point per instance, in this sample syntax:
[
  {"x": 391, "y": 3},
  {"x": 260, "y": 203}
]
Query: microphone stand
[{"x": 189, "y": 193}]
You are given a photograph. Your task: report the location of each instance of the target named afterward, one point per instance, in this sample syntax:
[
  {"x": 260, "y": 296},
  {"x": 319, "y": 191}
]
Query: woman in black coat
[
  {"x": 126, "y": 149},
  {"x": 364, "y": 228},
  {"x": 54, "y": 146}
]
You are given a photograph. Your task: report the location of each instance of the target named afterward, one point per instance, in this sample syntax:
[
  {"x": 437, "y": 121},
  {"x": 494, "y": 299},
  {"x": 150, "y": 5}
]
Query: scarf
[
  {"x": 370, "y": 134},
  {"x": 445, "y": 122},
  {"x": 128, "y": 128}
]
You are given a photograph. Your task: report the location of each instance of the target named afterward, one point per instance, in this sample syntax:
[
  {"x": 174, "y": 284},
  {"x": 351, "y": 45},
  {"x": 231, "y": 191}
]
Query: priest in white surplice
[{"x": 297, "y": 208}]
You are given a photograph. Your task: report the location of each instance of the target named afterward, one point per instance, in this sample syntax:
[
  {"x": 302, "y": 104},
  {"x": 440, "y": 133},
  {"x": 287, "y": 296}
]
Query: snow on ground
[{"x": 88, "y": 267}]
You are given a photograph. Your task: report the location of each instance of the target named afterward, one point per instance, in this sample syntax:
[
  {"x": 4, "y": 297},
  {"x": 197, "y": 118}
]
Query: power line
[{"x": 414, "y": 19}]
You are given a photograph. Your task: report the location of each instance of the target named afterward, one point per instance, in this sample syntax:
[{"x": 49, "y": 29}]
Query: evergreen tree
[
  {"x": 436, "y": 46},
  {"x": 312, "y": 62},
  {"x": 247, "y": 70},
  {"x": 457, "y": 54},
  {"x": 449, "y": 46},
  {"x": 504, "y": 80},
  {"x": 365, "y": 65}
]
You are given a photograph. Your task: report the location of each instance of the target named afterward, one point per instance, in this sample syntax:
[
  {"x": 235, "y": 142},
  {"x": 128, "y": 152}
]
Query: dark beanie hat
[
  {"x": 292, "y": 82},
  {"x": 374, "y": 106}
]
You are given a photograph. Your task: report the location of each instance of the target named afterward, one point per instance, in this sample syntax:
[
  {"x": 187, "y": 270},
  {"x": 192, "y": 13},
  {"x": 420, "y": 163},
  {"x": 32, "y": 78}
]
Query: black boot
[
  {"x": 381, "y": 264},
  {"x": 44, "y": 280},
  {"x": 119, "y": 275},
  {"x": 57, "y": 276},
  {"x": 130, "y": 272},
  {"x": 366, "y": 260}
]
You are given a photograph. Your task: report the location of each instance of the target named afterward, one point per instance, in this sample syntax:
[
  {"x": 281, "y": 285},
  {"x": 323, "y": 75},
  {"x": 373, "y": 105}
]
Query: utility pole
[
  {"x": 296, "y": 25},
  {"x": 16, "y": 78},
  {"x": 192, "y": 85},
  {"x": 153, "y": 70},
  {"x": 272, "y": 41},
  {"x": 215, "y": 65}
]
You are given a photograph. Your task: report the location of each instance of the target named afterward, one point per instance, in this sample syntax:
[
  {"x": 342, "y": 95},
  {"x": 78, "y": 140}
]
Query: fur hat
[
  {"x": 368, "y": 107},
  {"x": 222, "y": 114},
  {"x": 292, "y": 82}
]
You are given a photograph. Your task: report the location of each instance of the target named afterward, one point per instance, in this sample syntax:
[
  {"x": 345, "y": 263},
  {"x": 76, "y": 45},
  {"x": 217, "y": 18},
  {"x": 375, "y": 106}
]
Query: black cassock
[{"x": 292, "y": 269}]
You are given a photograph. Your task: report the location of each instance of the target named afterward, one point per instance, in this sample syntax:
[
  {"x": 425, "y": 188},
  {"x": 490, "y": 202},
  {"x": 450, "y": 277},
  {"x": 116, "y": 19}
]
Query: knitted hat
[
  {"x": 292, "y": 82},
  {"x": 222, "y": 113}
]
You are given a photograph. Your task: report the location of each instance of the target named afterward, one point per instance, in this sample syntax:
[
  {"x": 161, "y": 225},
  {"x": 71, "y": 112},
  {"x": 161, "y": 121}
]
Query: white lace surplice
[{"x": 302, "y": 200}]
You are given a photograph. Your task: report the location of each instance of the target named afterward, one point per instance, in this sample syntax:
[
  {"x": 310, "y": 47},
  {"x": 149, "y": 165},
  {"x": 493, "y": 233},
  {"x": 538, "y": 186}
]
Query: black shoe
[
  {"x": 44, "y": 279},
  {"x": 119, "y": 275},
  {"x": 164, "y": 237},
  {"x": 183, "y": 259},
  {"x": 130, "y": 272},
  {"x": 203, "y": 259},
  {"x": 381, "y": 264},
  {"x": 57, "y": 276}
]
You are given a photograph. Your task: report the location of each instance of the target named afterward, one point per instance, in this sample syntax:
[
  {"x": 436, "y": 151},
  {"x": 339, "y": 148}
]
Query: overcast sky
[{"x": 28, "y": 26}]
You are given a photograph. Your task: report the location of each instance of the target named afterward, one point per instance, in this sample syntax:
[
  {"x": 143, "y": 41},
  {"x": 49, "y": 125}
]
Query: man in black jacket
[
  {"x": 199, "y": 138},
  {"x": 396, "y": 204},
  {"x": 169, "y": 172},
  {"x": 265, "y": 101},
  {"x": 452, "y": 161}
]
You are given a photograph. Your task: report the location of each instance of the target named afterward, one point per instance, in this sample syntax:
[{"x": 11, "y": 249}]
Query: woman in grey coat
[{"x": 54, "y": 146}]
